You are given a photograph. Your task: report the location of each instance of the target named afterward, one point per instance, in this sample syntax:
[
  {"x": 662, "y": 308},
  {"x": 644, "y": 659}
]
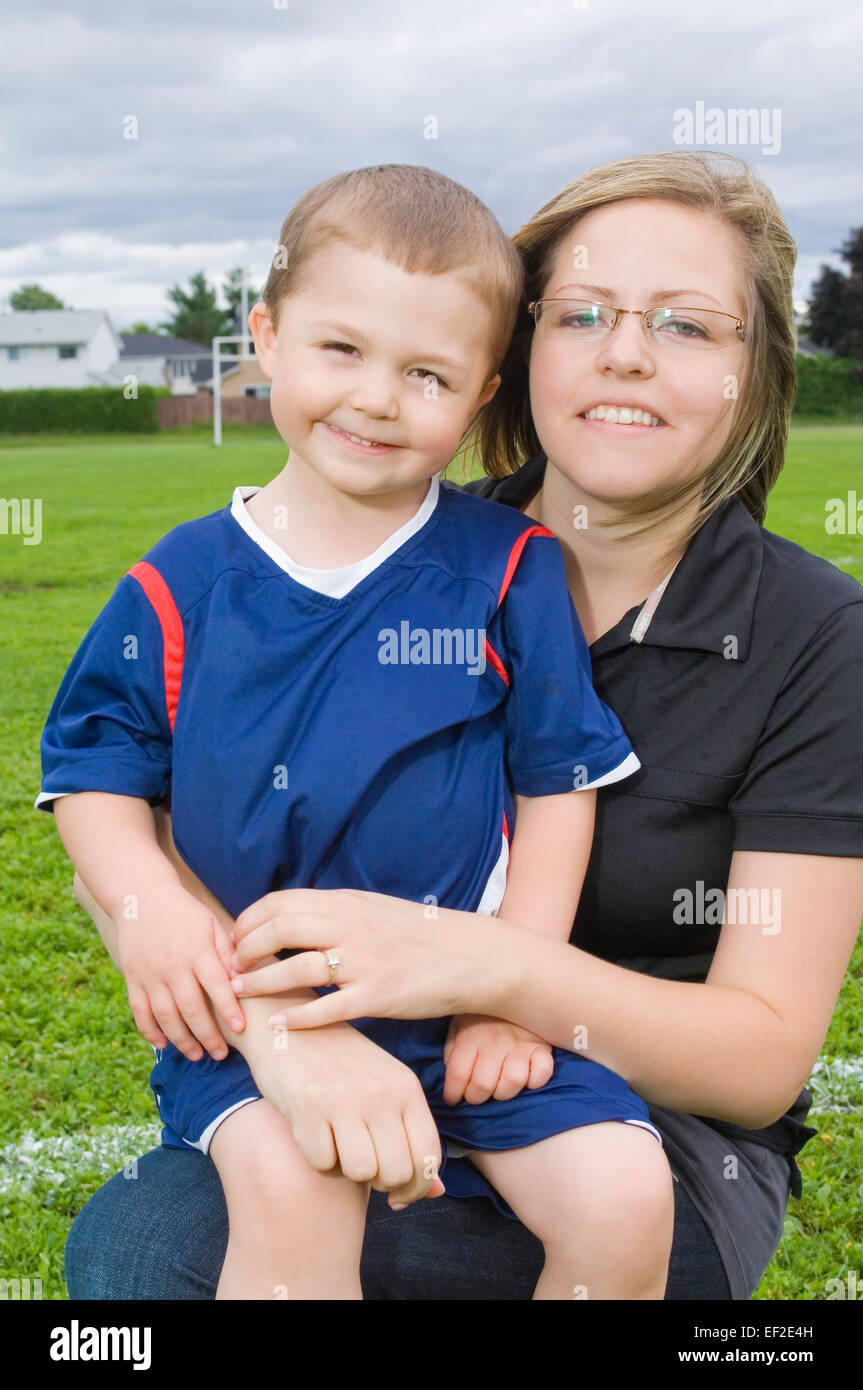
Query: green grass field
[{"x": 74, "y": 1100}]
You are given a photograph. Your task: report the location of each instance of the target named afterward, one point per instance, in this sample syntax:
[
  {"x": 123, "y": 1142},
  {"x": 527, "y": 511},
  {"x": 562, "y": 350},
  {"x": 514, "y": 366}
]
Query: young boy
[{"x": 355, "y": 678}]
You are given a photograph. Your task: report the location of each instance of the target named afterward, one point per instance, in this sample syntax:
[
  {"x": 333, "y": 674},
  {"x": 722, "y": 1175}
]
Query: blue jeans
[{"x": 163, "y": 1235}]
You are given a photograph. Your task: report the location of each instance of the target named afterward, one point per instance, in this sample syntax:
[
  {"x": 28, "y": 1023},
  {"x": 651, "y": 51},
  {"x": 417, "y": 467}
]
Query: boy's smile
[
  {"x": 376, "y": 374},
  {"x": 368, "y": 445}
]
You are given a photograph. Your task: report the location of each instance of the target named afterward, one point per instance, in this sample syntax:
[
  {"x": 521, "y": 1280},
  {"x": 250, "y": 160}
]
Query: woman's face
[{"x": 638, "y": 254}]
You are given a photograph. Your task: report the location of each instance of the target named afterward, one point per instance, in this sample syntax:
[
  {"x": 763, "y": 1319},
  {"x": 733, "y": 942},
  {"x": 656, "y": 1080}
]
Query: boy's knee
[{"x": 632, "y": 1192}]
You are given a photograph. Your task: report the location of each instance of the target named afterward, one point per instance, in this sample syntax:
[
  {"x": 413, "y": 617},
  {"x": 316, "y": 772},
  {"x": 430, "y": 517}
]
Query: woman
[{"x": 654, "y": 431}]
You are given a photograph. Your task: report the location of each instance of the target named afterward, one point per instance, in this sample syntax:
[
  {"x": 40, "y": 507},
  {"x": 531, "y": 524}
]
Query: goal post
[{"x": 218, "y": 358}]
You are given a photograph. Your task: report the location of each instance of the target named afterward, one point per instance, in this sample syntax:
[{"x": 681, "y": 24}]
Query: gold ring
[{"x": 333, "y": 962}]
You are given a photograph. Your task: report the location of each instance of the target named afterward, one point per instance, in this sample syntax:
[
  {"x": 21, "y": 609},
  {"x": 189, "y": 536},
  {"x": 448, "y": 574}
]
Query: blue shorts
[{"x": 194, "y": 1097}]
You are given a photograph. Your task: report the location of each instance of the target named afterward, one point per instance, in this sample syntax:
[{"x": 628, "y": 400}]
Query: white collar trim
[{"x": 337, "y": 582}]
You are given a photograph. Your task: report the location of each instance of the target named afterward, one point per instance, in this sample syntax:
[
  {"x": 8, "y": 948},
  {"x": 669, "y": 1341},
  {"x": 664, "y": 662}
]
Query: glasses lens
[
  {"x": 692, "y": 328},
  {"x": 576, "y": 318}
]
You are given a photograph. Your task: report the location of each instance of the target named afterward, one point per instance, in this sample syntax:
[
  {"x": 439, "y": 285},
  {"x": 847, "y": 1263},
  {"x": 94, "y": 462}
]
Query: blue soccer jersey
[
  {"x": 371, "y": 737},
  {"x": 364, "y": 728}
]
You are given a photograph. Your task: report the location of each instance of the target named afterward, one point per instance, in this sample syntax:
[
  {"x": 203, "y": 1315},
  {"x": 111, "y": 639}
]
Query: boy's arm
[
  {"x": 172, "y": 950},
  {"x": 334, "y": 1086},
  {"x": 256, "y": 1040},
  {"x": 550, "y": 849},
  {"x": 548, "y": 860}
]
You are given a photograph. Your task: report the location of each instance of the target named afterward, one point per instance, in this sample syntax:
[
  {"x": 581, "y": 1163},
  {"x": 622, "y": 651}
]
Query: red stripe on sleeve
[
  {"x": 515, "y": 556},
  {"x": 512, "y": 563},
  {"x": 494, "y": 660},
  {"x": 171, "y": 624}
]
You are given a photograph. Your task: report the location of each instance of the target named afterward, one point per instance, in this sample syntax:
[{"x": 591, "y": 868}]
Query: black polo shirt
[{"x": 743, "y": 703}]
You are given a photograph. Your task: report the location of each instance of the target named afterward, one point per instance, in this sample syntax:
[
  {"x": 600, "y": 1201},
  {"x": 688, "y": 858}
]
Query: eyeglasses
[{"x": 575, "y": 321}]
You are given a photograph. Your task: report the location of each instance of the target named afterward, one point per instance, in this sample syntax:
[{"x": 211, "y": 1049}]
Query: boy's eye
[
  {"x": 339, "y": 347},
  {"x": 425, "y": 374}
]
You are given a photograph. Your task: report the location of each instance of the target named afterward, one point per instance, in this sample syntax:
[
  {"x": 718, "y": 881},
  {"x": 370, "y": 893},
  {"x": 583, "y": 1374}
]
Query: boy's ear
[
  {"x": 487, "y": 392},
  {"x": 264, "y": 336}
]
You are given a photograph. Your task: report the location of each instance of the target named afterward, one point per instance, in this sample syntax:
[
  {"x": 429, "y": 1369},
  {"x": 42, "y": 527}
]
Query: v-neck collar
[{"x": 334, "y": 583}]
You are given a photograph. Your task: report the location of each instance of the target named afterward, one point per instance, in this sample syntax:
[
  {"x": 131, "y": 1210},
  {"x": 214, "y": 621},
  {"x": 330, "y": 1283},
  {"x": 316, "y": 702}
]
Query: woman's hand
[
  {"x": 397, "y": 959},
  {"x": 351, "y": 1104}
]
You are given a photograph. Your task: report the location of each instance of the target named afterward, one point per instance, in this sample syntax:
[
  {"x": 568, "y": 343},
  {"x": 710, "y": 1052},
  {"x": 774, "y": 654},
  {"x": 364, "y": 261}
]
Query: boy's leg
[
  {"x": 293, "y": 1232},
  {"x": 601, "y": 1200}
]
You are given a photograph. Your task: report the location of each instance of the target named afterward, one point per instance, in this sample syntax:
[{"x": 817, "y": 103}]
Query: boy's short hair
[{"x": 420, "y": 219}]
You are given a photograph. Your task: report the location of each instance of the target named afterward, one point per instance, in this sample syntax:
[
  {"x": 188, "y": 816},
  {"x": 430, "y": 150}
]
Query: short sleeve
[
  {"x": 560, "y": 735},
  {"x": 803, "y": 790},
  {"x": 108, "y": 727}
]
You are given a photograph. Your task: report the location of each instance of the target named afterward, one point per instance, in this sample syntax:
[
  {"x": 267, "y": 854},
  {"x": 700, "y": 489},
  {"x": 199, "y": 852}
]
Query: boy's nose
[{"x": 375, "y": 396}]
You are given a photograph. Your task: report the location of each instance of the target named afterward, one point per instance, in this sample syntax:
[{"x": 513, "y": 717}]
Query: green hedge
[
  {"x": 87, "y": 410},
  {"x": 829, "y": 386}
]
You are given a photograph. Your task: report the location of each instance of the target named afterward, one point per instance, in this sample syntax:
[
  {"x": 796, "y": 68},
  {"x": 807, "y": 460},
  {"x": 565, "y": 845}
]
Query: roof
[
  {"x": 160, "y": 345},
  {"x": 163, "y": 345},
  {"x": 51, "y": 327}
]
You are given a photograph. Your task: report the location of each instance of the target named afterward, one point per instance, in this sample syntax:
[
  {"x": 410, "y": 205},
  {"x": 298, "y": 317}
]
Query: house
[
  {"x": 56, "y": 347},
  {"x": 159, "y": 360},
  {"x": 80, "y": 347},
  {"x": 241, "y": 378},
  {"x": 807, "y": 348}
]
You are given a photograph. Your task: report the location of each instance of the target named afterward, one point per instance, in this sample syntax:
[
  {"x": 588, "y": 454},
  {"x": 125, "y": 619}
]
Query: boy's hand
[
  {"x": 489, "y": 1057},
  {"x": 172, "y": 955}
]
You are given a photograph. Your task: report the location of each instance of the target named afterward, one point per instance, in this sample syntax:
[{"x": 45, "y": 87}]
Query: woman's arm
[{"x": 738, "y": 1047}]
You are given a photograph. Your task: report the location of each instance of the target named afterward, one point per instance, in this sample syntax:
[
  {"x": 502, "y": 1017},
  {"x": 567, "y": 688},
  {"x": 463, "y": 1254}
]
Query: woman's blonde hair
[{"x": 751, "y": 458}]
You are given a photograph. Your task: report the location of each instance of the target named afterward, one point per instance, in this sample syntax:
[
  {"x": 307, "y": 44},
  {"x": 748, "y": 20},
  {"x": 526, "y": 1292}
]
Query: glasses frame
[{"x": 535, "y": 305}]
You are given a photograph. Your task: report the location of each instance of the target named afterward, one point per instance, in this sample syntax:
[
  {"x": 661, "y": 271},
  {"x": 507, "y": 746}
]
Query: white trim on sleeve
[{"x": 629, "y": 765}]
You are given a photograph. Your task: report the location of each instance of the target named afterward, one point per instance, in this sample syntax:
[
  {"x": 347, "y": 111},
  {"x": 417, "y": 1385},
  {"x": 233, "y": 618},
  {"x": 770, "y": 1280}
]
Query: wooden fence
[{"x": 175, "y": 411}]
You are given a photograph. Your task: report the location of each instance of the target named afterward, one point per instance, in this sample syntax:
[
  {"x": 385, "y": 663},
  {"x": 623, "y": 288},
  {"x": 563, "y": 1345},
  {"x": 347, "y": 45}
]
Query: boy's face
[{"x": 400, "y": 361}]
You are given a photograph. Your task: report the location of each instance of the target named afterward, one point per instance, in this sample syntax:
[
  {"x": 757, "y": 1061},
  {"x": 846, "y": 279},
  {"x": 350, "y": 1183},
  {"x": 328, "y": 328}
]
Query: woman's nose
[{"x": 628, "y": 348}]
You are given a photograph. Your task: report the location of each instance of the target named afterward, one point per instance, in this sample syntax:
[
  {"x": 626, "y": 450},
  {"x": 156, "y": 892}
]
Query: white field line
[
  {"x": 54, "y": 1158},
  {"x": 836, "y": 1085}
]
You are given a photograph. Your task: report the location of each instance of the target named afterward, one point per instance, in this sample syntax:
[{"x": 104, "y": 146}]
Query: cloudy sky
[{"x": 241, "y": 105}]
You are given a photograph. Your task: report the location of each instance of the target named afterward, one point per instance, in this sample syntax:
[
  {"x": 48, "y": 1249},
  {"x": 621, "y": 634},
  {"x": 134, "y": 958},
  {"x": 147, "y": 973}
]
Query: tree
[
  {"x": 197, "y": 317},
  {"x": 836, "y": 305},
  {"x": 141, "y": 327},
  {"x": 34, "y": 297},
  {"x": 826, "y": 317},
  {"x": 233, "y": 293}
]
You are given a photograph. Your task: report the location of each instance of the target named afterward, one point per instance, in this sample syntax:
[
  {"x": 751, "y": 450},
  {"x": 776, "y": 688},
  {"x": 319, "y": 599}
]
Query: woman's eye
[
  {"x": 583, "y": 319},
  {"x": 685, "y": 328}
]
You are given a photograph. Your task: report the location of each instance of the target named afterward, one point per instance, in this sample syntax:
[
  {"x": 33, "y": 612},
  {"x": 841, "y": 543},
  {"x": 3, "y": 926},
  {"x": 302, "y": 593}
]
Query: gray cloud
[{"x": 242, "y": 106}]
